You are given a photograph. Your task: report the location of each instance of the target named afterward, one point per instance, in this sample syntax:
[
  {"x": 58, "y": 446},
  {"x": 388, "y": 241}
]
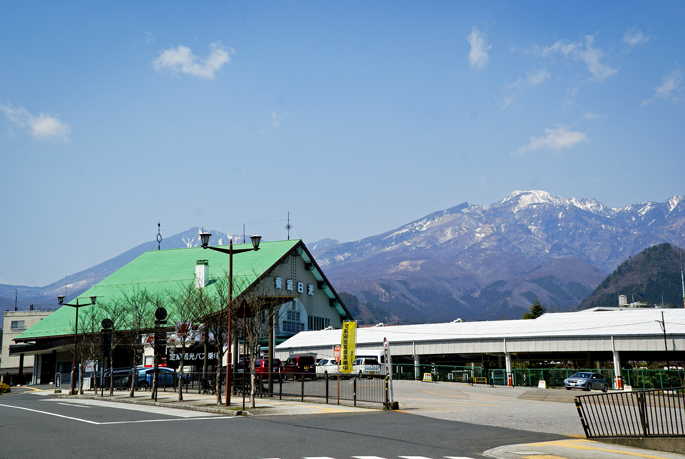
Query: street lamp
[
  {"x": 60, "y": 301},
  {"x": 204, "y": 240}
]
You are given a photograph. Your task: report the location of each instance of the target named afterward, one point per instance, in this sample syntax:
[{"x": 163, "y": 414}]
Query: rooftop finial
[
  {"x": 159, "y": 235},
  {"x": 288, "y": 226}
]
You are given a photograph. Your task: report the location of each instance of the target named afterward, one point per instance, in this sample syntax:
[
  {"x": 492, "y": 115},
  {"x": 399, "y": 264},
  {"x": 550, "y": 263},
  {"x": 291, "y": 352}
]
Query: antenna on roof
[
  {"x": 288, "y": 226},
  {"x": 159, "y": 235}
]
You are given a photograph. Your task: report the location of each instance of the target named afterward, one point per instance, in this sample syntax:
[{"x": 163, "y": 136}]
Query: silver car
[{"x": 586, "y": 381}]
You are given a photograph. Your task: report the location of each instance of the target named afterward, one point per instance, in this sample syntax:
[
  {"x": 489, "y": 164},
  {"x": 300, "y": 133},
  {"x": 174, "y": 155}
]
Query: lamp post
[
  {"x": 60, "y": 301},
  {"x": 204, "y": 240}
]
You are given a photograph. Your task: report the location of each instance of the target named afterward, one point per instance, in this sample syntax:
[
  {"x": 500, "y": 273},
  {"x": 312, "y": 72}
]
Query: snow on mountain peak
[
  {"x": 674, "y": 201},
  {"x": 525, "y": 199}
]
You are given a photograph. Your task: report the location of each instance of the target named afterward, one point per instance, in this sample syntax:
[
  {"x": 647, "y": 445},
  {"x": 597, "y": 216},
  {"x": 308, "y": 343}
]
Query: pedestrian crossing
[{"x": 379, "y": 457}]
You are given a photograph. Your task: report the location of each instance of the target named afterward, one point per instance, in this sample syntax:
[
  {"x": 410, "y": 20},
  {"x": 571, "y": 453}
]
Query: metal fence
[
  {"x": 653, "y": 413},
  {"x": 371, "y": 388}
]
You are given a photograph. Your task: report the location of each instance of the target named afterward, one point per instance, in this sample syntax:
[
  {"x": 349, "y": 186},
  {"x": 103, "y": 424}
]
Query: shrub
[{"x": 4, "y": 388}]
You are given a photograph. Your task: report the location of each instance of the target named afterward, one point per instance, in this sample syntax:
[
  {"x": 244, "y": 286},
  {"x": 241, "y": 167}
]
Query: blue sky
[{"x": 357, "y": 117}]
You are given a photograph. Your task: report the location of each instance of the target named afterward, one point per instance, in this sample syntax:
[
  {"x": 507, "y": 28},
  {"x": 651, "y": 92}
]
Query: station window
[{"x": 318, "y": 323}]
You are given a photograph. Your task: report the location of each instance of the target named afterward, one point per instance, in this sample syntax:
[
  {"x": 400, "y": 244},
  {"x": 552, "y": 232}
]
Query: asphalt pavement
[{"x": 448, "y": 420}]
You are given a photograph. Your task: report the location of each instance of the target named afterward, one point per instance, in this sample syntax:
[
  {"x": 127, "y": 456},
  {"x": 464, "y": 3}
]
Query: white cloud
[
  {"x": 478, "y": 57},
  {"x": 275, "y": 117},
  {"x": 534, "y": 78},
  {"x": 537, "y": 77},
  {"x": 583, "y": 52},
  {"x": 41, "y": 126},
  {"x": 668, "y": 88},
  {"x": 593, "y": 116},
  {"x": 183, "y": 60},
  {"x": 634, "y": 37},
  {"x": 149, "y": 37},
  {"x": 557, "y": 139}
]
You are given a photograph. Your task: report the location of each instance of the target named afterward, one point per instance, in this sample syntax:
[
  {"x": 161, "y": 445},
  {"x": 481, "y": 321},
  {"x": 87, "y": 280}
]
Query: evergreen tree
[{"x": 536, "y": 310}]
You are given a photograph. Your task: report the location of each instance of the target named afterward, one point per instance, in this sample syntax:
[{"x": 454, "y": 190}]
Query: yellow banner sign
[{"x": 347, "y": 346}]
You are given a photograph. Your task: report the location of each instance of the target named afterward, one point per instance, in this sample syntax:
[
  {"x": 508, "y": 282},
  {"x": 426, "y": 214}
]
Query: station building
[{"x": 283, "y": 271}]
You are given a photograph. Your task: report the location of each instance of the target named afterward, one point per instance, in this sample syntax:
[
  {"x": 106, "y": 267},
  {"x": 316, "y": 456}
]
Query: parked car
[
  {"x": 586, "y": 381},
  {"x": 366, "y": 367},
  {"x": 167, "y": 377},
  {"x": 327, "y": 367},
  {"x": 297, "y": 365},
  {"x": 262, "y": 366}
]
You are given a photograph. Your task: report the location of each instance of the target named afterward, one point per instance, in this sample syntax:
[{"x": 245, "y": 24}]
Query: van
[
  {"x": 373, "y": 354},
  {"x": 297, "y": 365}
]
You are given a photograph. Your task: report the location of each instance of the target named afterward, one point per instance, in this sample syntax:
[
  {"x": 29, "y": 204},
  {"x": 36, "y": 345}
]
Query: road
[{"x": 36, "y": 427}]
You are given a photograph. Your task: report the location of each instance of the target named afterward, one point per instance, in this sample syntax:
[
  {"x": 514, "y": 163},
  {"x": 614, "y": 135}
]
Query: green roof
[{"x": 165, "y": 271}]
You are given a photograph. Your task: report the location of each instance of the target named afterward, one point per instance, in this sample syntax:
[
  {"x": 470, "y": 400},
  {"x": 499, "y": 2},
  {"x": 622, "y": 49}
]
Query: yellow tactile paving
[{"x": 589, "y": 446}]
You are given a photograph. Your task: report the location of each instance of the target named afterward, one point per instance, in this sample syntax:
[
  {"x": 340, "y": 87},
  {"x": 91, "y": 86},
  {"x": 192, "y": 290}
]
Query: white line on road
[
  {"x": 167, "y": 411},
  {"x": 202, "y": 418},
  {"x": 50, "y": 414}
]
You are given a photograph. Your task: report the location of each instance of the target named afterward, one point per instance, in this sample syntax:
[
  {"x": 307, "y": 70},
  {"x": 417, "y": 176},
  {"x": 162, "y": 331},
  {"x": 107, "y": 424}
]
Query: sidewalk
[
  {"x": 575, "y": 449},
  {"x": 207, "y": 403}
]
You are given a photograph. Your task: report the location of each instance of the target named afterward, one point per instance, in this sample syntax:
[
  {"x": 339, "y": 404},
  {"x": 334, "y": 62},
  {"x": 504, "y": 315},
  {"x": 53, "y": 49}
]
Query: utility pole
[{"x": 662, "y": 323}]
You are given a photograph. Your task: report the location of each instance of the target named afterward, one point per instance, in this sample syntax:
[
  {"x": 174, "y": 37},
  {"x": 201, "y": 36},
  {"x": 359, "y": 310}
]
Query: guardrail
[{"x": 652, "y": 413}]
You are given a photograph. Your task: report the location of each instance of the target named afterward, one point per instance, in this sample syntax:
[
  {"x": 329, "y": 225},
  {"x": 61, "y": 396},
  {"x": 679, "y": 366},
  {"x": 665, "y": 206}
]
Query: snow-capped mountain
[{"x": 492, "y": 261}]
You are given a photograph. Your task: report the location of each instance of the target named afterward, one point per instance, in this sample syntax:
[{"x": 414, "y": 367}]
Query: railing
[
  {"x": 653, "y": 413},
  {"x": 369, "y": 388}
]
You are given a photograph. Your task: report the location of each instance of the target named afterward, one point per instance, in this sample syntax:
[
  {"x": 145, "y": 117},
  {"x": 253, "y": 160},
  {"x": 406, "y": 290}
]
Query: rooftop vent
[
  {"x": 457, "y": 321},
  {"x": 380, "y": 325}
]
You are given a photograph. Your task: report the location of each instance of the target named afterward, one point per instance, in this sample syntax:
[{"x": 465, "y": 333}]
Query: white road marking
[
  {"x": 50, "y": 414},
  {"x": 132, "y": 407}
]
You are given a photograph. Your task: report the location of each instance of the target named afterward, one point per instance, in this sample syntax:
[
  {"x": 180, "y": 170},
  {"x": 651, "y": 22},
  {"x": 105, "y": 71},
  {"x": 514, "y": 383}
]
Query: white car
[
  {"x": 326, "y": 367},
  {"x": 366, "y": 367}
]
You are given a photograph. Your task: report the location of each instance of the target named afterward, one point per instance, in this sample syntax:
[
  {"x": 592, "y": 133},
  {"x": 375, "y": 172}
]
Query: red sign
[{"x": 336, "y": 353}]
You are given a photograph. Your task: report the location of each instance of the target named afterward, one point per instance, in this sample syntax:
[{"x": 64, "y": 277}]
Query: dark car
[
  {"x": 167, "y": 377},
  {"x": 300, "y": 365},
  {"x": 586, "y": 381}
]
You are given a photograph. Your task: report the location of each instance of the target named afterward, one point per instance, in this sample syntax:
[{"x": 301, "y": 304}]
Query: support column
[
  {"x": 21, "y": 369},
  {"x": 510, "y": 373},
  {"x": 417, "y": 368},
  {"x": 618, "y": 382}
]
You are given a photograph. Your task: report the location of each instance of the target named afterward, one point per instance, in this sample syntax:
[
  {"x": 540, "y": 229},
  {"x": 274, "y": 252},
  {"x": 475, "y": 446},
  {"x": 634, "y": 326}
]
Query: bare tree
[
  {"x": 88, "y": 340},
  {"x": 183, "y": 315},
  {"x": 212, "y": 312},
  {"x": 139, "y": 307},
  {"x": 263, "y": 308}
]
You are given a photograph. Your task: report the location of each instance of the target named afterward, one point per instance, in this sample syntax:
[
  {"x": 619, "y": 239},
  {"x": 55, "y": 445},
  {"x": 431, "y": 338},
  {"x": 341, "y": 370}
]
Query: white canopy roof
[{"x": 592, "y": 324}]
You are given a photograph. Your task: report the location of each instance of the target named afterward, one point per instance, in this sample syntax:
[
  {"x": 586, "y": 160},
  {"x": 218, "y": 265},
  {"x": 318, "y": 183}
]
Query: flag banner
[{"x": 347, "y": 346}]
